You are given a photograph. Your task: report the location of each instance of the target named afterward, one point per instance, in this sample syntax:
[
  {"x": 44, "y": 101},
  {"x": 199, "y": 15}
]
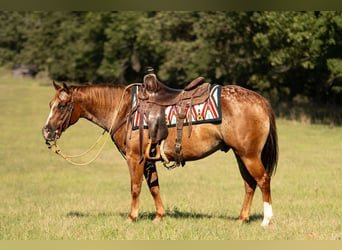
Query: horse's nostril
[{"x": 46, "y": 132}]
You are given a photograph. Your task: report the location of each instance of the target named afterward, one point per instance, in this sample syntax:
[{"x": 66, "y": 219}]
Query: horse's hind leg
[
  {"x": 150, "y": 173},
  {"x": 250, "y": 185},
  {"x": 257, "y": 171}
]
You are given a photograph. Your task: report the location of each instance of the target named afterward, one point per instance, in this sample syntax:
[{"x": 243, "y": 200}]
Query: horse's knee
[
  {"x": 154, "y": 191},
  {"x": 135, "y": 190}
]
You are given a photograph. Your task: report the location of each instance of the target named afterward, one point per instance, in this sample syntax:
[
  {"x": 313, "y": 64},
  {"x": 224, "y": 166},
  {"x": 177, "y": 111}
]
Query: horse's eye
[{"x": 61, "y": 106}]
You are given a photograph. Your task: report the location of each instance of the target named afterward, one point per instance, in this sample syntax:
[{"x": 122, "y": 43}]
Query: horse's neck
[{"x": 100, "y": 104}]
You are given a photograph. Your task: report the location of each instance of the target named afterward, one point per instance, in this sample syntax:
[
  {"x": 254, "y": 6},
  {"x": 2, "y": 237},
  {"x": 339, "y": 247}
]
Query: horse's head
[{"x": 61, "y": 112}]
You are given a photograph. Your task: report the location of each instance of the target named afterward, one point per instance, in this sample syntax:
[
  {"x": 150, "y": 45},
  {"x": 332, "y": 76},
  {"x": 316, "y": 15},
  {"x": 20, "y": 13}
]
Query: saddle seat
[{"x": 159, "y": 93}]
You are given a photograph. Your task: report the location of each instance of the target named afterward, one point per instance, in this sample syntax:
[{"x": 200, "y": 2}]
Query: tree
[
  {"x": 12, "y": 36},
  {"x": 121, "y": 59},
  {"x": 294, "y": 46}
]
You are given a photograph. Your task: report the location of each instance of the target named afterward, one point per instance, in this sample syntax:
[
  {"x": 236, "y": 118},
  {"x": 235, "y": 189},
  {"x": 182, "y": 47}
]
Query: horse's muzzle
[{"x": 49, "y": 134}]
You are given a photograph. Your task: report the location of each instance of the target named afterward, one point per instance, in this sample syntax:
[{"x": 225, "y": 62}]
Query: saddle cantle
[{"x": 154, "y": 96}]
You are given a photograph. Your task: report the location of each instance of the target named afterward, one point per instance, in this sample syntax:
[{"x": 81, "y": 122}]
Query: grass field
[{"x": 43, "y": 197}]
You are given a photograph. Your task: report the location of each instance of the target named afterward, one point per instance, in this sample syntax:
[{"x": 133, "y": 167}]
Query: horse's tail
[{"x": 269, "y": 154}]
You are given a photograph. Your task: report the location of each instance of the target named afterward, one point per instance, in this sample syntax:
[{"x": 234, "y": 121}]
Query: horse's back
[{"x": 241, "y": 101}]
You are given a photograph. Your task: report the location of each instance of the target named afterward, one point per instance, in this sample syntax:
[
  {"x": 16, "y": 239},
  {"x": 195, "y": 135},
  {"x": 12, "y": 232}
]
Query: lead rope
[{"x": 55, "y": 148}]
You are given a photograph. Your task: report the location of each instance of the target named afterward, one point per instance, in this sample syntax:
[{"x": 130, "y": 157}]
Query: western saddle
[{"x": 153, "y": 98}]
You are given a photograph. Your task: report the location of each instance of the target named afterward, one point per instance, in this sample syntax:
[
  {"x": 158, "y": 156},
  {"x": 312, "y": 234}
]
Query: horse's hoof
[
  {"x": 265, "y": 223},
  {"x": 129, "y": 220},
  {"x": 157, "y": 220},
  {"x": 242, "y": 221}
]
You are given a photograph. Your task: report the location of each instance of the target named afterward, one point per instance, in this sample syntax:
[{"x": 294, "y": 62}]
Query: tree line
[{"x": 287, "y": 55}]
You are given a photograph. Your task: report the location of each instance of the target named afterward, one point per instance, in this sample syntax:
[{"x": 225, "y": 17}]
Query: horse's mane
[{"x": 102, "y": 95}]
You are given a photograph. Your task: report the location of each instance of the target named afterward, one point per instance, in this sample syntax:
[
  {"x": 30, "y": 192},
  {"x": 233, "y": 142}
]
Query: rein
[{"x": 55, "y": 148}]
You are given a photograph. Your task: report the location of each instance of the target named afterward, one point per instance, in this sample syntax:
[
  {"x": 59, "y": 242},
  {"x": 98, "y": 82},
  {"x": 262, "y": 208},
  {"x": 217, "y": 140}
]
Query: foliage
[
  {"x": 285, "y": 55},
  {"x": 295, "y": 47}
]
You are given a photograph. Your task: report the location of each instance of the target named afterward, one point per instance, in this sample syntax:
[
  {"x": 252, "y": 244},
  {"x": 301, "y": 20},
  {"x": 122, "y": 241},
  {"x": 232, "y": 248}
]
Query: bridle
[
  {"x": 67, "y": 119},
  {"x": 66, "y": 123}
]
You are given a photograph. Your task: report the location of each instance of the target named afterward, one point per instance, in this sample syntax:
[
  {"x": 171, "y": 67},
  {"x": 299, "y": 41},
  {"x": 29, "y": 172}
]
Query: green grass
[{"x": 43, "y": 197}]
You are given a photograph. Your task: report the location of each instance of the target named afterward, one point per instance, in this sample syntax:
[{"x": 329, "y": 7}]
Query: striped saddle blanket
[{"x": 207, "y": 112}]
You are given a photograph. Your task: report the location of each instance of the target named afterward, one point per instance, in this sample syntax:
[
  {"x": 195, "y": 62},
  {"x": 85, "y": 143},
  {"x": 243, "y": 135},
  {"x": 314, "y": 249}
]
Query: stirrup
[
  {"x": 148, "y": 149},
  {"x": 167, "y": 164}
]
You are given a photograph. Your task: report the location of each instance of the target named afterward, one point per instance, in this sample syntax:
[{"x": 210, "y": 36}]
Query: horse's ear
[
  {"x": 57, "y": 87},
  {"x": 66, "y": 88}
]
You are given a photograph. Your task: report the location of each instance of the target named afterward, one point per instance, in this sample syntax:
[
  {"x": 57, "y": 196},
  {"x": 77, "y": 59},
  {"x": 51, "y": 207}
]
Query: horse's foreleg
[
  {"x": 150, "y": 173},
  {"x": 250, "y": 185},
  {"x": 258, "y": 172},
  {"x": 136, "y": 172}
]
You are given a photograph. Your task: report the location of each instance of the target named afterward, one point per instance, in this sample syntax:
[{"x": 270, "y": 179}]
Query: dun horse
[{"x": 248, "y": 128}]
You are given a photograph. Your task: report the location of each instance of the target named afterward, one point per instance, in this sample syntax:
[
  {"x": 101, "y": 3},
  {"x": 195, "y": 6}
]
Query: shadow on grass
[{"x": 172, "y": 213}]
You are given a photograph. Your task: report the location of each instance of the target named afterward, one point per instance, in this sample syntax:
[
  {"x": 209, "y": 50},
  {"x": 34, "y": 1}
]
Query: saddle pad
[{"x": 207, "y": 112}]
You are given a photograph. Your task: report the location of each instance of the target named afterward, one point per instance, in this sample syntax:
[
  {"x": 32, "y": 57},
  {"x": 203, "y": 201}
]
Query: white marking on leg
[{"x": 268, "y": 213}]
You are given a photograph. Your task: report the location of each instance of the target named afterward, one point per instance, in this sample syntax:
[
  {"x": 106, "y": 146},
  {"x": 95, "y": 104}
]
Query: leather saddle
[
  {"x": 154, "y": 96},
  {"x": 160, "y": 94}
]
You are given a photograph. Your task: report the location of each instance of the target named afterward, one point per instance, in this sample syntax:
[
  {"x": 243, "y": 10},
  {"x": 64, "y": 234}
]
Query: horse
[{"x": 248, "y": 128}]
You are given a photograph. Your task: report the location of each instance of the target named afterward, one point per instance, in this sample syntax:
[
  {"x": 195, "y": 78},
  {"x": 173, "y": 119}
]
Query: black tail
[{"x": 269, "y": 155}]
